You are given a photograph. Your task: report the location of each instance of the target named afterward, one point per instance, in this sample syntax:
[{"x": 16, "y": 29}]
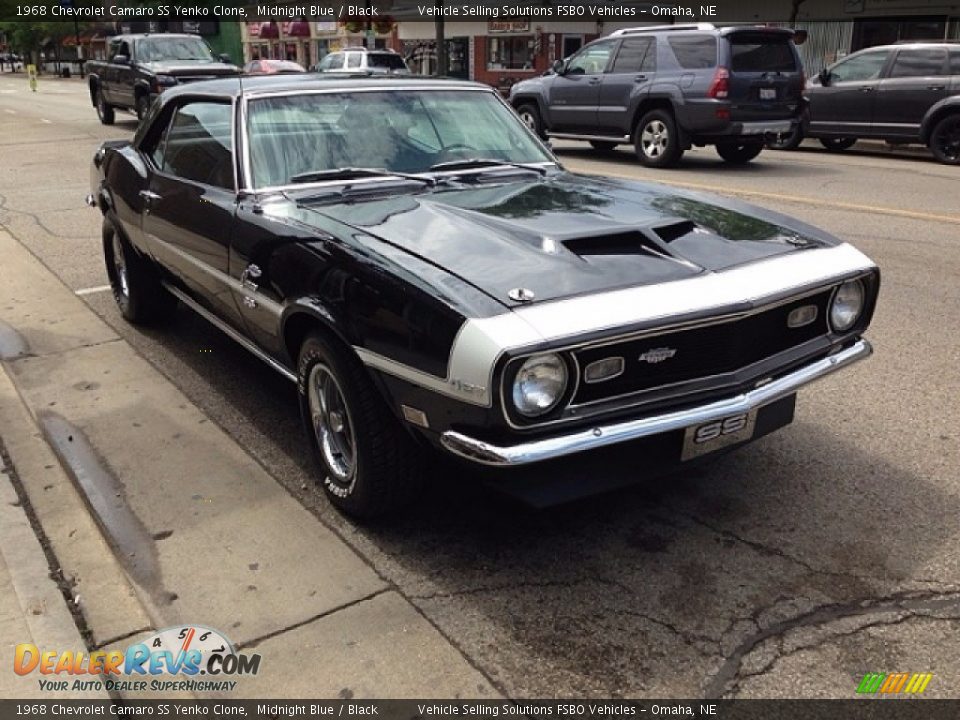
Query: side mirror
[
  {"x": 121, "y": 60},
  {"x": 224, "y": 58},
  {"x": 824, "y": 77},
  {"x": 558, "y": 67}
]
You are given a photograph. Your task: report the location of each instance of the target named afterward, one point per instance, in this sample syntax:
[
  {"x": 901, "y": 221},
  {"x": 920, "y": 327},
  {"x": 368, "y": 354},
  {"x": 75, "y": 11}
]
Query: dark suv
[
  {"x": 905, "y": 93},
  {"x": 667, "y": 88}
]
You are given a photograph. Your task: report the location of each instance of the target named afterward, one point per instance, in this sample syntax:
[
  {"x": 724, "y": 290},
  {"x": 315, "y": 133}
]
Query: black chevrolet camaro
[{"x": 427, "y": 272}]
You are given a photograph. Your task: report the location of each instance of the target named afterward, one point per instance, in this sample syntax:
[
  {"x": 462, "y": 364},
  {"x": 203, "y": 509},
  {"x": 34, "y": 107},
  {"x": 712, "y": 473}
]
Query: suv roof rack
[
  {"x": 661, "y": 28},
  {"x": 361, "y": 48}
]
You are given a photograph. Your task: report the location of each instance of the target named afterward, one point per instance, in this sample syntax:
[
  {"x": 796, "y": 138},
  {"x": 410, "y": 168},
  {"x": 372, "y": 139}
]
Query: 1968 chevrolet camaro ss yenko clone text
[{"x": 428, "y": 273}]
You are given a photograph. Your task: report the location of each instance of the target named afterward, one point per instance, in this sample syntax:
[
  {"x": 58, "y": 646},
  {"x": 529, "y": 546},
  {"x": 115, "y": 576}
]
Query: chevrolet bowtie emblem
[{"x": 657, "y": 355}]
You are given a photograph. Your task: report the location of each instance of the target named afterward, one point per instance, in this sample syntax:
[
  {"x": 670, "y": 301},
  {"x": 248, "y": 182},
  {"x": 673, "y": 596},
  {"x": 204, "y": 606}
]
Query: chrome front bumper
[{"x": 604, "y": 435}]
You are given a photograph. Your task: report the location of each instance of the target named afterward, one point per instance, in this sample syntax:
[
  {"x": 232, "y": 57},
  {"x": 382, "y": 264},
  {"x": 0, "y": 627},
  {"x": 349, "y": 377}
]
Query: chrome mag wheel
[
  {"x": 333, "y": 427},
  {"x": 654, "y": 139}
]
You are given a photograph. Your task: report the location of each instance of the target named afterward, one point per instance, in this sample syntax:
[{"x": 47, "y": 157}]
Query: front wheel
[
  {"x": 142, "y": 106},
  {"x": 945, "y": 140},
  {"x": 838, "y": 144},
  {"x": 530, "y": 115},
  {"x": 104, "y": 110},
  {"x": 368, "y": 466},
  {"x": 657, "y": 141},
  {"x": 739, "y": 153}
]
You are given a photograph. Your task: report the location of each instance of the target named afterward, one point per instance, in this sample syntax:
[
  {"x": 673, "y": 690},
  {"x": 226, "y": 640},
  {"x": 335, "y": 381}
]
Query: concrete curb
[{"x": 201, "y": 532}]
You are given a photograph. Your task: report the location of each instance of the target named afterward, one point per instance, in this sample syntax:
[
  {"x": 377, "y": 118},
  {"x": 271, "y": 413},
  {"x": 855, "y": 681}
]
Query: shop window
[{"x": 509, "y": 53}]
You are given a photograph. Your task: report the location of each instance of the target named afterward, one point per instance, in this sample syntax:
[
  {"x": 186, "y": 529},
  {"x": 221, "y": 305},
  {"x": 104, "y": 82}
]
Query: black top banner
[
  {"x": 493, "y": 11},
  {"x": 861, "y": 709}
]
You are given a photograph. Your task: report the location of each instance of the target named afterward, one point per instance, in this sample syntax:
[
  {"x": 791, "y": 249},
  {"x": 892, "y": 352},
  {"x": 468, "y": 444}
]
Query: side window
[
  {"x": 336, "y": 61},
  {"x": 694, "y": 52},
  {"x": 353, "y": 60},
  {"x": 592, "y": 60},
  {"x": 199, "y": 144},
  {"x": 632, "y": 56},
  {"x": 923, "y": 62},
  {"x": 860, "y": 67}
]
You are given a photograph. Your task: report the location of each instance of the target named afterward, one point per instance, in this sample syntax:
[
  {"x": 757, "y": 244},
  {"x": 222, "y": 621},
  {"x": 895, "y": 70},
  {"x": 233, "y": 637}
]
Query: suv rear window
[
  {"x": 385, "y": 60},
  {"x": 761, "y": 53},
  {"x": 694, "y": 52}
]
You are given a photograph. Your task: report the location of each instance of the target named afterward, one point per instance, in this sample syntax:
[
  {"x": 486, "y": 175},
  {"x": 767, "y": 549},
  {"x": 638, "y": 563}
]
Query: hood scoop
[{"x": 622, "y": 243}]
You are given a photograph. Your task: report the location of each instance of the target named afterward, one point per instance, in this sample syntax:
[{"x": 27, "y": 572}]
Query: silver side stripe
[{"x": 481, "y": 342}]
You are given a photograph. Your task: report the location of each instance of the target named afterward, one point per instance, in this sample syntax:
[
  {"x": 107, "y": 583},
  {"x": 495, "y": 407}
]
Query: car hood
[
  {"x": 190, "y": 67},
  {"x": 567, "y": 234}
]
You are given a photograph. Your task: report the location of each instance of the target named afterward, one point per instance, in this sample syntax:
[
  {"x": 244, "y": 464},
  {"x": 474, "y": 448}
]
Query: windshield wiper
[
  {"x": 351, "y": 173},
  {"x": 467, "y": 163}
]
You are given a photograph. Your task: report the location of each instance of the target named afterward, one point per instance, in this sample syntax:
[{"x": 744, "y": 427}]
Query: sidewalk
[{"x": 158, "y": 518}]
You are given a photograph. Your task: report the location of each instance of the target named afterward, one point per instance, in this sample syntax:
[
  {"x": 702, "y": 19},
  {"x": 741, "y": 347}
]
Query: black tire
[
  {"x": 789, "y": 141},
  {"x": 739, "y": 153},
  {"x": 657, "y": 141},
  {"x": 135, "y": 283},
  {"x": 369, "y": 467},
  {"x": 838, "y": 144},
  {"x": 945, "y": 139},
  {"x": 530, "y": 115},
  {"x": 104, "y": 111},
  {"x": 142, "y": 106},
  {"x": 603, "y": 145}
]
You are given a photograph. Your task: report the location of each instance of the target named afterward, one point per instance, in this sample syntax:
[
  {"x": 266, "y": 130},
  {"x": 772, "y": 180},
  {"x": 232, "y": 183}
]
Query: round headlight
[
  {"x": 539, "y": 384},
  {"x": 847, "y": 305}
]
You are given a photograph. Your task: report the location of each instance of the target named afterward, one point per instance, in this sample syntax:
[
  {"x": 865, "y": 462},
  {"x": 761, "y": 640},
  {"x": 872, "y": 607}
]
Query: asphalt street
[{"x": 787, "y": 569}]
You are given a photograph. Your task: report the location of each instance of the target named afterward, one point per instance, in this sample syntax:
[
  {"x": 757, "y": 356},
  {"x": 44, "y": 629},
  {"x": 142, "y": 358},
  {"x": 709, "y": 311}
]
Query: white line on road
[
  {"x": 44, "y": 120},
  {"x": 10, "y": 112},
  {"x": 92, "y": 290}
]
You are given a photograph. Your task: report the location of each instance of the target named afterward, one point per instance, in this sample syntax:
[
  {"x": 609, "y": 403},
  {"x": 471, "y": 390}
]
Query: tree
[{"x": 25, "y": 38}]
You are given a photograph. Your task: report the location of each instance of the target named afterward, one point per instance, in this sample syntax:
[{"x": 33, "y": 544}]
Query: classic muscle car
[{"x": 429, "y": 274}]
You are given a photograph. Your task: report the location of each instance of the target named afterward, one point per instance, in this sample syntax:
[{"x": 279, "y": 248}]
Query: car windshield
[
  {"x": 762, "y": 53},
  {"x": 294, "y": 136},
  {"x": 165, "y": 49}
]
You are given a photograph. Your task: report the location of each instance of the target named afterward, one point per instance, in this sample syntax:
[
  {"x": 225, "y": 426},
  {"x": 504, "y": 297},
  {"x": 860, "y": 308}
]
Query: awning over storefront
[{"x": 269, "y": 30}]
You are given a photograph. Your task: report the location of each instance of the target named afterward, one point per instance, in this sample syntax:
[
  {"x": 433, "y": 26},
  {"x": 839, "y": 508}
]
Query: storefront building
[{"x": 308, "y": 42}]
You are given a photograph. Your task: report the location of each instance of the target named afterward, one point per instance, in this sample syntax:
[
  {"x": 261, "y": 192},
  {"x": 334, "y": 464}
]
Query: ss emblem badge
[{"x": 702, "y": 439}]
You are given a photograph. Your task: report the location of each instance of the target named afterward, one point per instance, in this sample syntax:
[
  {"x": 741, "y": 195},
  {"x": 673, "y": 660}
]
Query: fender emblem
[{"x": 657, "y": 355}]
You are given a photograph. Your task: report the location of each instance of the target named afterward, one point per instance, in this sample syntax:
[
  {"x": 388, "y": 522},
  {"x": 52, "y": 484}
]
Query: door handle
[
  {"x": 249, "y": 274},
  {"x": 640, "y": 78},
  {"x": 867, "y": 89},
  {"x": 594, "y": 81},
  {"x": 149, "y": 196},
  {"x": 936, "y": 87}
]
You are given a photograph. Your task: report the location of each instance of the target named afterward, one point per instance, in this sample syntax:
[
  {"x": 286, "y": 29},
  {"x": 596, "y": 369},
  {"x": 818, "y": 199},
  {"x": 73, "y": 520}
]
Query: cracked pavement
[{"x": 787, "y": 569}]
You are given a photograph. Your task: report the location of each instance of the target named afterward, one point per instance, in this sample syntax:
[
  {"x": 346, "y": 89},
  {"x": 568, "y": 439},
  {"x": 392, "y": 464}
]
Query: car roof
[
  {"x": 236, "y": 86},
  {"x": 914, "y": 43}
]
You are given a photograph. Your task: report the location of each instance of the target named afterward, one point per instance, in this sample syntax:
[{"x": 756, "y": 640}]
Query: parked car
[
  {"x": 140, "y": 67},
  {"x": 359, "y": 60},
  {"x": 904, "y": 93},
  {"x": 430, "y": 276},
  {"x": 272, "y": 67},
  {"x": 667, "y": 88}
]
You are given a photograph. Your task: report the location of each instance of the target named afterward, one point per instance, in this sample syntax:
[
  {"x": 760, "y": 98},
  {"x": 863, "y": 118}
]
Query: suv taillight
[{"x": 720, "y": 87}]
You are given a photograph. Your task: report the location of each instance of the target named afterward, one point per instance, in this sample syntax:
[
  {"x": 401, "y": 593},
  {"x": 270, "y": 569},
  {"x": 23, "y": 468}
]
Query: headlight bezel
[
  {"x": 515, "y": 415},
  {"x": 840, "y": 328}
]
